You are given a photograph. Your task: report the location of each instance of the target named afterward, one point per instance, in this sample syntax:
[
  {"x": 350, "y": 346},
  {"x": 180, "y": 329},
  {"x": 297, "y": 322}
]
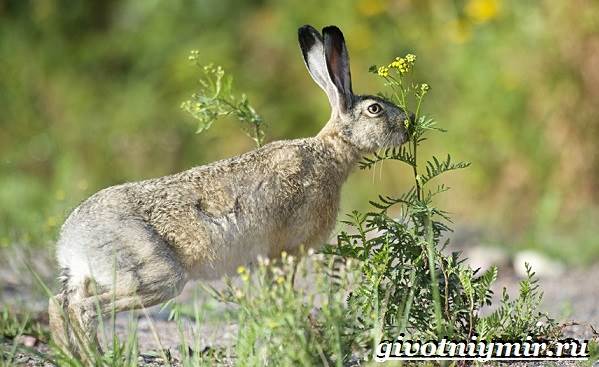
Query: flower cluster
[
  {"x": 277, "y": 272},
  {"x": 422, "y": 90},
  {"x": 194, "y": 55},
  {"x": 402, "y": 64},
  {"x": 383, "y": 71}
]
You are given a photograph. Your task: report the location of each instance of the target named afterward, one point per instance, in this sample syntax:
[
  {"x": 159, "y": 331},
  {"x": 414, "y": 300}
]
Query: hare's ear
[
  {"x": 312, "y": 47},
  {"x": 337, "y": 60}
]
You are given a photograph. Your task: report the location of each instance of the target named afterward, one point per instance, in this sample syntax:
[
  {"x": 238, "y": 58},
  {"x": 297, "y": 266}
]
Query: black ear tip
[
  {"x": 305, "y": 27},
  {"x": 307, "y": 36},
  {"x": 307, "y": 30},
  {"x": 332, "y": 30}
]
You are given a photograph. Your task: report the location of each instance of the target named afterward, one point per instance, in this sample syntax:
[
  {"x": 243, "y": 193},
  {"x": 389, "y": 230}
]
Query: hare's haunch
[{"x": 139, "y": 243}]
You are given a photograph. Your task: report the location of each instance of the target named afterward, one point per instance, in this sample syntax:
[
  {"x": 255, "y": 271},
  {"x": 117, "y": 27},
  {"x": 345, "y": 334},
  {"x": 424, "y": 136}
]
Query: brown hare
[{"x": 139, "y": 243}]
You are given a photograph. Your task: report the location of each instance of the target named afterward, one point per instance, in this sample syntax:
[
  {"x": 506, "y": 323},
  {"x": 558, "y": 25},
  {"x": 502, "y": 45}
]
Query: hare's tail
[{"x": 58, "y": 307}]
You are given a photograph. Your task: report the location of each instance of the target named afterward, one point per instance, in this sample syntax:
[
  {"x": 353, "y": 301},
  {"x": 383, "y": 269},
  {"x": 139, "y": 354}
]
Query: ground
[{"x": 572, "y": 297}]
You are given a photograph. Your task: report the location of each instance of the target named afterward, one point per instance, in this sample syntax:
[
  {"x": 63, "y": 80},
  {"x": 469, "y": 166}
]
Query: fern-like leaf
[
  {"x": 401, "y": 154},
  {"x": 436, "y": 167}
]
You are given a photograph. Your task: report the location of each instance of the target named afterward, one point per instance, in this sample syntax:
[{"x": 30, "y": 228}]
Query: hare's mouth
[
  {"x": 402, "y": 137},
  {"x": 398, "y": 137}
]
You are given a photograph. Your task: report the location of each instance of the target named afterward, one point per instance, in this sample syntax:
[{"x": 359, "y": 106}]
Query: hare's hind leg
[
  {"x": 85, "y": 313},
  {"x": 124, "y": 261},
  {"x": 72, "y": 326},
  {"x": 59, "y": 322}
]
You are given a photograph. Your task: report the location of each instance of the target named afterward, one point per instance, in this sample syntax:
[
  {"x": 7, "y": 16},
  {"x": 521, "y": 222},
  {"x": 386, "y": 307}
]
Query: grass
[
  {"x": 309, "y": 305},
  {"x": 13, "y": 326}
]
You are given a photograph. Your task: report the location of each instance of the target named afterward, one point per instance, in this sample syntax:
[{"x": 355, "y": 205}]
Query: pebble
[
  {"x": 484, "y": 257},
  {"x": 542, "y": 265}
]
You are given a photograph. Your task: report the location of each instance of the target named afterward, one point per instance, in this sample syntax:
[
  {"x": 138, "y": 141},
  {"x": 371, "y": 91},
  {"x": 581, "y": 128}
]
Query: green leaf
[
  {"x": 436, "y": 167},
  {"x": 215, "y": 98},
  {"x": 401, "y": 154}
]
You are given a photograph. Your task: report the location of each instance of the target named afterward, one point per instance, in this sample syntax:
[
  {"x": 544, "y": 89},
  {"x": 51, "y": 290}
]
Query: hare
[{"x": 136, "y": 245}]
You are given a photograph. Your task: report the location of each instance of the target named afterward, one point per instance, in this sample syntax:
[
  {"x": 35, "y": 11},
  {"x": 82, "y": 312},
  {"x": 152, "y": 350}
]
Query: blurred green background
[{"x": 90, "y": 95}]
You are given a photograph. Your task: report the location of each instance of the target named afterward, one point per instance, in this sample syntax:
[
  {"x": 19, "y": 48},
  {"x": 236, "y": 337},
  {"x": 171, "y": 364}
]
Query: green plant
[
  {"x": 418, "y": 289},
  {"x": 192, "y": 350},
  {"x": 215, "y": 98},
  {"x": 518, "y": 318},
  {"x": 13, "y": 325},
  {"x": 387, "y": 275},
  {"x": 285, "y": 325}
]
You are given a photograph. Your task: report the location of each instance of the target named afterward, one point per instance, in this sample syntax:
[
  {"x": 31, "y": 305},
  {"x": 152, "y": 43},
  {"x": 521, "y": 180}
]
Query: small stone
[
  {"x": 542, "y": 265},
  {"x": 484, "y": 257},
  {"x": 27, "y": 340}
]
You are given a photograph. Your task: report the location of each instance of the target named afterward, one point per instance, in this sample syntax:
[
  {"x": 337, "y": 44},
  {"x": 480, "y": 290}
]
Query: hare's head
[{"x": 366, "y": 122}]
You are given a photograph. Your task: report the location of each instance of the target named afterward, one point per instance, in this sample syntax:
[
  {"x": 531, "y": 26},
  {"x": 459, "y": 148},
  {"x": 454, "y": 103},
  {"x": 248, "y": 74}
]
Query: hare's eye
[{"x": 375, "y": 109}]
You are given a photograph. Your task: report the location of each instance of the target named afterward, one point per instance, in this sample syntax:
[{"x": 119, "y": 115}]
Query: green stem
[
  {"x": 417, "y": 113},
  {"x": 414, "y": 150},
  {"x": 428, "y": 235},
  {"x": 406, "y": 313},
  {"x": 392, "y": 82},
  {"x": 234, "y": 108},
  {"x": 403, "y": 95},
  {"x": 415, "y": 168}
]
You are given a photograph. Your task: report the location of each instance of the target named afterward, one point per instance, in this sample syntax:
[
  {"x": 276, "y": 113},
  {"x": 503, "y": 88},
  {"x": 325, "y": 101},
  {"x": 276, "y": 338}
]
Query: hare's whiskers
[{"x": 385, "y": 144}]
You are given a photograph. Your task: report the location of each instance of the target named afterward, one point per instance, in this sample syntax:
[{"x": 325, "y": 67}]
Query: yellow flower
[
  {"x": 402, "y": 64},
  {"x": 482, "y": 11},
  {"x": 243, "y": 273},
  {"x": 421, "y": 91},
  {"x": 383, "y": 71},
  {"x": 280, "y": 280},
  {"x": 397, "y": 63}
]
